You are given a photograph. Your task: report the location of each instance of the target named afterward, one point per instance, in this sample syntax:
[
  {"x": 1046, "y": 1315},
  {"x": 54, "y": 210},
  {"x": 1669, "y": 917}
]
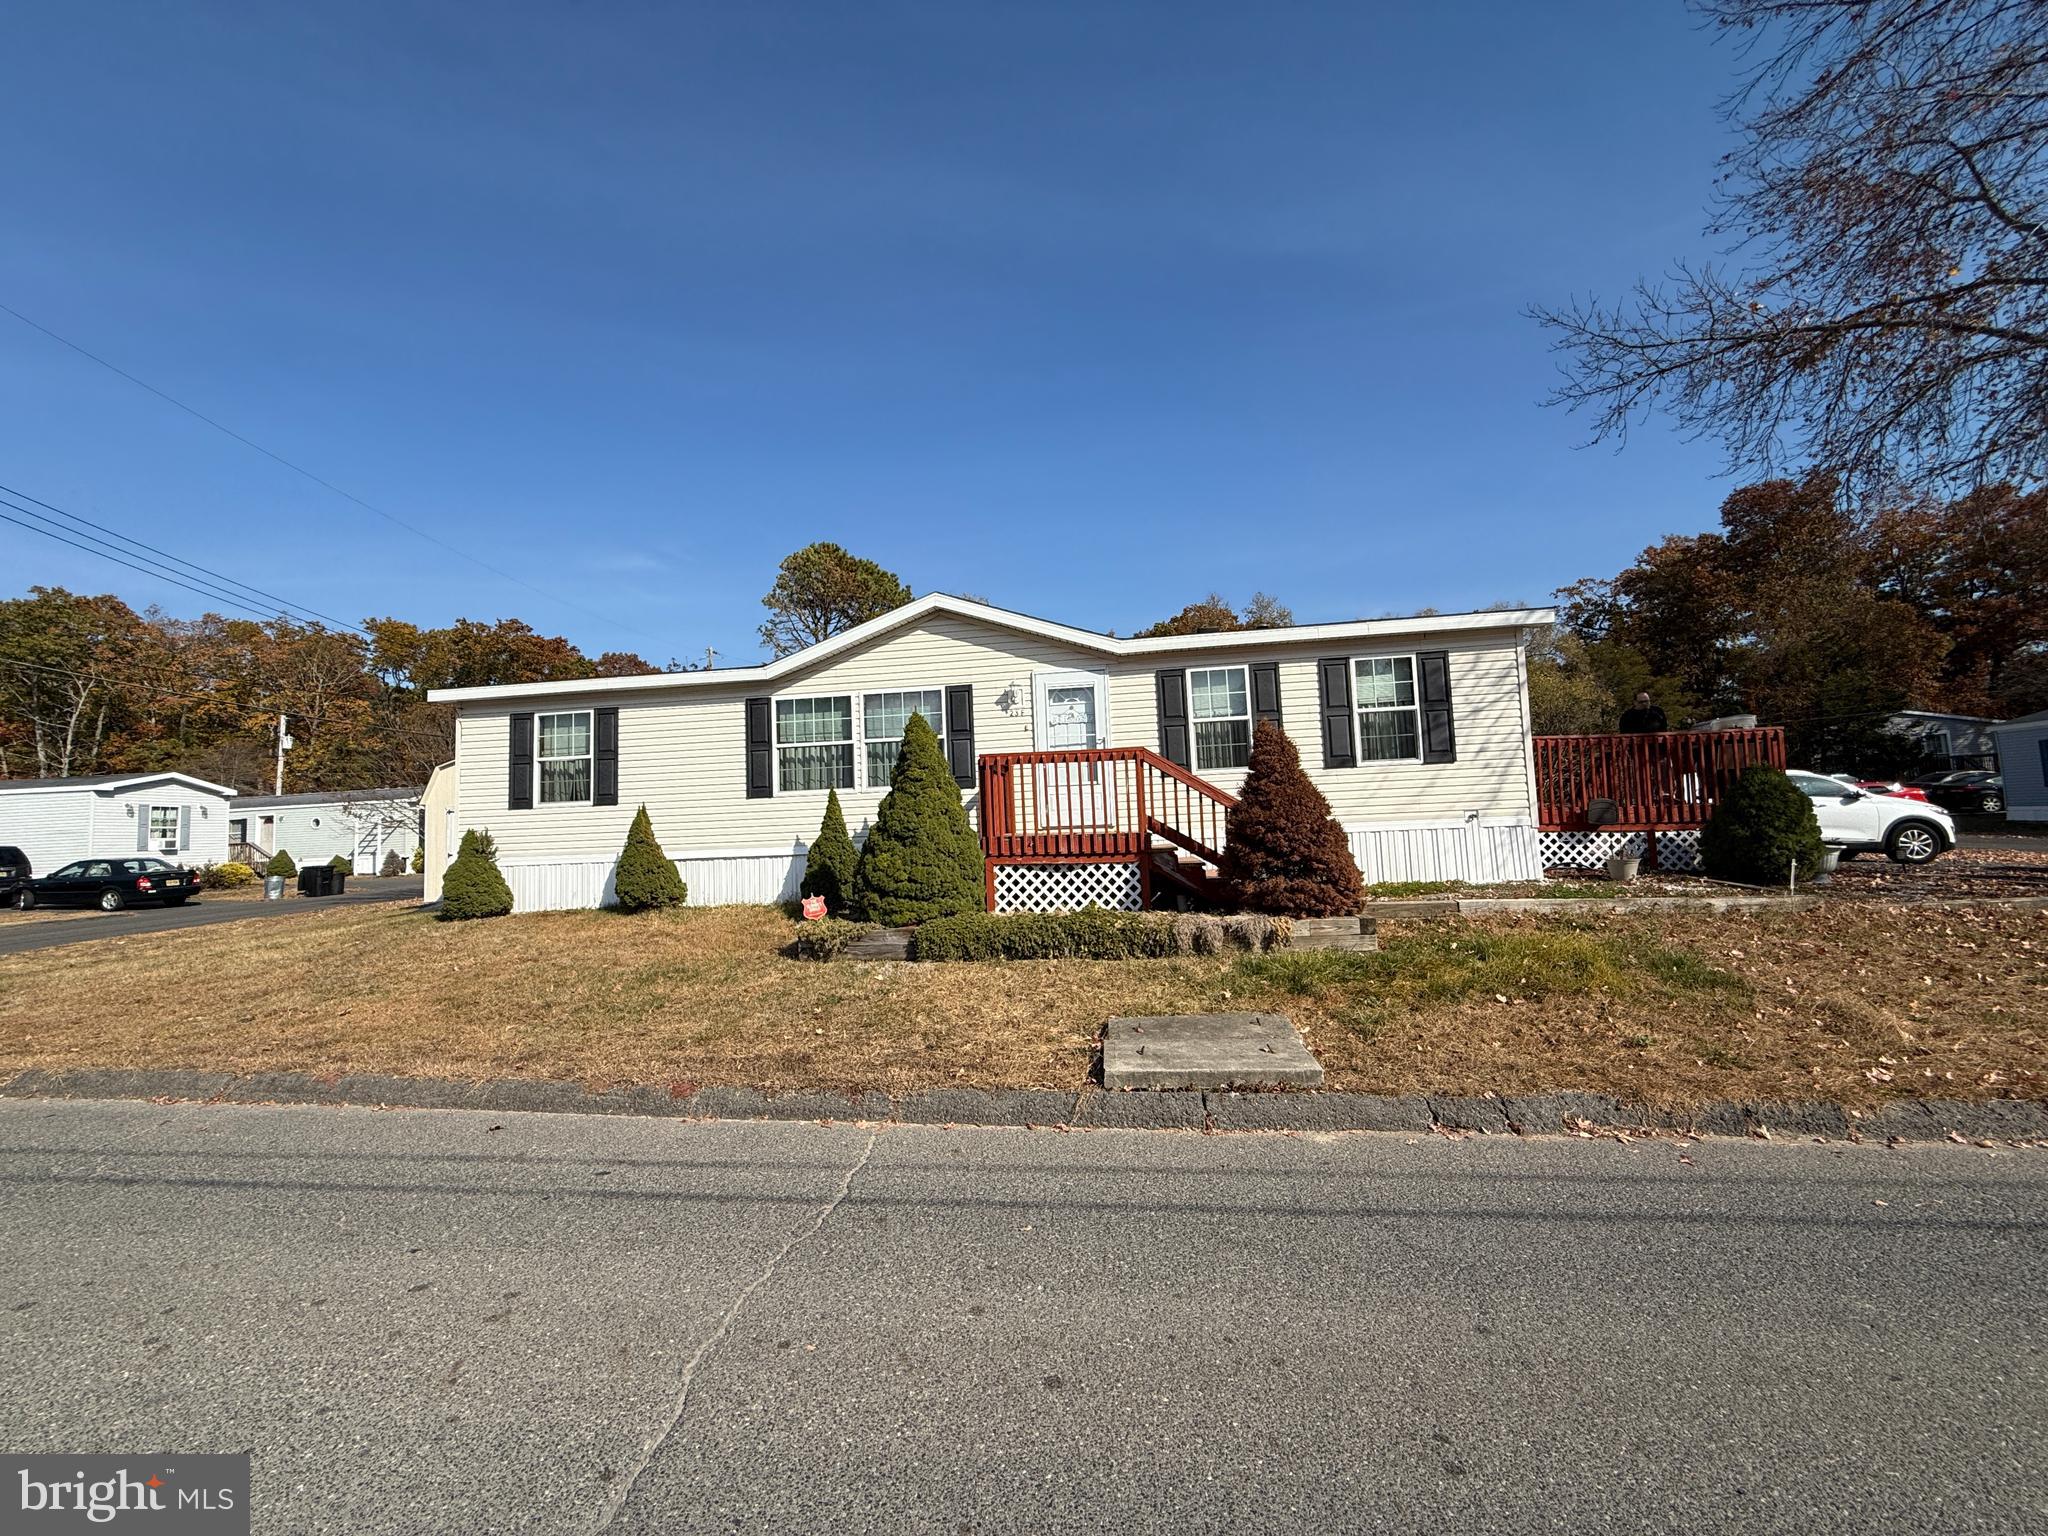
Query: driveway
[
  {"x": 21, "y": 934},
  {"x": 450, "y": 1321}
]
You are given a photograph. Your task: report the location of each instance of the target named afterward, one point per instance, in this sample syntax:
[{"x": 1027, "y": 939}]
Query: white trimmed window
[
  {"x": 163, "y": 826},
  {"x": 563, "y": 758},
  {"x": 1220, "y": 705},
  {"x": 814, "y": 743},
  {"x": 1389, "y": 723},
  {"x": 883, "y": 717}
]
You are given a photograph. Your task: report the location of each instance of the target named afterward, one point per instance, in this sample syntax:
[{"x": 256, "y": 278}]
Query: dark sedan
[
  {"x": 109, "y": 884},
  {"x": 1982, "y": 792}
]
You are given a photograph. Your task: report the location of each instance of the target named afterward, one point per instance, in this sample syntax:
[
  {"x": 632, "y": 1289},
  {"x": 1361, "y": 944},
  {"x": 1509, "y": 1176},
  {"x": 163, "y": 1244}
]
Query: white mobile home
[
  {"x": 1416, "y": 729},
  {"x": 55, "y": 821},
  {"x": 2023, "y": 760},
  {"x": 363, "y": 824}
]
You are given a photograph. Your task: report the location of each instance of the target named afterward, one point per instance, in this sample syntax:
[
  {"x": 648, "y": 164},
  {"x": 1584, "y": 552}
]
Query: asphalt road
[
  {"x": 21, "y": 934},
  {"x": 453, "y": 1322}
]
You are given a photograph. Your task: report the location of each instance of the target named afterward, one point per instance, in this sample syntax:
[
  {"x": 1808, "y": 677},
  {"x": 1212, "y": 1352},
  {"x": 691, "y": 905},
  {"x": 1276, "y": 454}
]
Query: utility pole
[{"x": 284, "y": 744}]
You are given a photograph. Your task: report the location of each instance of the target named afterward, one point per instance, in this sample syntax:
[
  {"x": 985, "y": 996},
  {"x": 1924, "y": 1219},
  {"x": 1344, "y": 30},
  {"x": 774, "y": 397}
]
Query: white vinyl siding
[
  {"x": 1220, "y": 707},
  {"x": 562, "y": 758}
]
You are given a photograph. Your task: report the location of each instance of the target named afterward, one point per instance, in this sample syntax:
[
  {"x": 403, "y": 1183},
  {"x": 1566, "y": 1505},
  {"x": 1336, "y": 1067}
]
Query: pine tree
[
  {"x": 473, "y": 887},
  {"x": 646, "y": 878},
  {"x": 830, "y": 863},
  {"x": 1286, "y": 853},
  {"x": 922, "y": 859},
  {"x": 1761, "y": 824}
]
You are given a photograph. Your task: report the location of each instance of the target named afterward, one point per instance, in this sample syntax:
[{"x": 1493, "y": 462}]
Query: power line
[
  {"x": 109, "y": 550},
  {"x": 145, "y": 570},
  {"x": 327, "y": 485},
  {"x": 204, "y": 570}
]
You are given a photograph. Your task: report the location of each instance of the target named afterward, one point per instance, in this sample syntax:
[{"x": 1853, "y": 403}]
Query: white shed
[
  {"x": 55, "y": 821},
  {"x": 2023, "y": 759}
]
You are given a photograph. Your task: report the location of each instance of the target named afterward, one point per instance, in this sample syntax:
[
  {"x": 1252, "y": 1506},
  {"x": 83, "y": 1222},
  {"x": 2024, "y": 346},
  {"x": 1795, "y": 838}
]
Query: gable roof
[
  {"x": 106, "y": 782},
  {"x": 326, "y": 797},
  {"x": 1021, "y": 623}
]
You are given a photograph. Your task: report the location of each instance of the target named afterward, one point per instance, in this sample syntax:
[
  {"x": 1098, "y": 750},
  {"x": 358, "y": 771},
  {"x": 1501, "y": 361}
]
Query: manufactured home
[
  {"x": 1078, "y": 753},
  {"x": 361, "y": 824},
  {"x": 2023, "y": 760},
  {"x": 172, "y": 815}
]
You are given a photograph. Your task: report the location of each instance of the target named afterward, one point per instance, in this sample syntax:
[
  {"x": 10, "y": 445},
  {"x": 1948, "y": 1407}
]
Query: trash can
[
  {"x": 316, "y": 880},
  {"x": 340, "y": 881},
  {"x": 273, "y": 887}
]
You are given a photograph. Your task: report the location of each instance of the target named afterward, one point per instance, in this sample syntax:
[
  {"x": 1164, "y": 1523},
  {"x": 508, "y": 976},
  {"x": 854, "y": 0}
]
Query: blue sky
[{"x": 1087, "y": 308}]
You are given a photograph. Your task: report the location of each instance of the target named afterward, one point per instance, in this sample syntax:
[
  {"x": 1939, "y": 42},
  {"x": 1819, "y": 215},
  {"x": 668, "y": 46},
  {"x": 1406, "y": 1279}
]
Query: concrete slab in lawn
[{"x": 1207, "y": 1050}]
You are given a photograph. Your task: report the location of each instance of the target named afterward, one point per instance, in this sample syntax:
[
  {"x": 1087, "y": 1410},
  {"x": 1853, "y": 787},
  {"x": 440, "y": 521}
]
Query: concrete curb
[{"x": 1995, "y": 1120}]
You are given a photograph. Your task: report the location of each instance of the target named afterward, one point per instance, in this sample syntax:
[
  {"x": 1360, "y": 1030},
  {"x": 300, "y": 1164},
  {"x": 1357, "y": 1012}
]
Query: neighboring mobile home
[
  {"x": 1417, "y": 729},
  {"x": 1947, "y": 741},
  {"x": 364, "y": 824},
  {"x": 2023, "y": 760},
  {"x": 97, "y": 816}
]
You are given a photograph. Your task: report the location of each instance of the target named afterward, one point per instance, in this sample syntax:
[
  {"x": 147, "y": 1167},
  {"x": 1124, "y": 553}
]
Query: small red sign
[{"x": 814, "y": 908}]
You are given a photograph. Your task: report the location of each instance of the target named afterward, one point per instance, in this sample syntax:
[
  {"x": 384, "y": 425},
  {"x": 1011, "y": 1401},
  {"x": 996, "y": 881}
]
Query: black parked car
[
  {"x": 14, "y": 872},
  {"x": 1974, "y": 791},
  {"x": 109, "y": 884}
]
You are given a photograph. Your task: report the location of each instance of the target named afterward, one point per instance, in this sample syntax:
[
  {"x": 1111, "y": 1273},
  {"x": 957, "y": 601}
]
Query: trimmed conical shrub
[
  {"x": 831, "y": 860},
  {"x": 646, "y": 878},
  {"x": 922, "y": 859},
  {"x": 394, "y": 864},
  {"x": 473, "y": 887},
  {"x": 1286, "y": 853},
  {"x": 1762, "y": 822},
  {"x": 281, "y": 864},
  {"x": 341, "y": 863}
]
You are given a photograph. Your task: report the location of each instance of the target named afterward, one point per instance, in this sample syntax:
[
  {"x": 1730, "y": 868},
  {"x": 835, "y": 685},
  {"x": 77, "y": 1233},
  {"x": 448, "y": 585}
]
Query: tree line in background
[
  {"x": 88, "y": 685},
  {"x": 1818, "y": 613}
]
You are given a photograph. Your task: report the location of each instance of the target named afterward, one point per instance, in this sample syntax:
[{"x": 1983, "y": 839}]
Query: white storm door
[{"x": 1070, "y": 713}]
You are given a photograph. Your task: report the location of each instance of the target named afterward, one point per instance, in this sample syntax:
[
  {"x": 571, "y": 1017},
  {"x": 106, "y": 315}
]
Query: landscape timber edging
[{"x": 2007, "y": 1121}]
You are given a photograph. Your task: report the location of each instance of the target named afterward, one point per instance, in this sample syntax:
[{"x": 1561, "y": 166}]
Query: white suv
[{"x": 1858, "y": 821}]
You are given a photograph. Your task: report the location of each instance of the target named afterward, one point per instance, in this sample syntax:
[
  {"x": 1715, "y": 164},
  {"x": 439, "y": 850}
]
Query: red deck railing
[
  {"x": 1108, "y": 803},
  {"x": 1669, "y": 779}
]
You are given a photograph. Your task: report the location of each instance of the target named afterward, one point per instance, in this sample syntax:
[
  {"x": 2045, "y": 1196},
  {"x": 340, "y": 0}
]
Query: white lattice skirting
[
  {"x": 1066, "y": 887},
  {"x": 1591, "y": 850}
]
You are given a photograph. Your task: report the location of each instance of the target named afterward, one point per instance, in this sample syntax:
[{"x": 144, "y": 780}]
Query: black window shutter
[
  {"x": 960, "y": 734},
  {"x": 1173, "y": 718},
  {"x": 519, "y": 792},
  {"x": 1439, "y": 739},
  {"x": 760, "y": 748},
  {"x": 1333, "y": 678},
  {"x": 1266, "y": 692},
  {"x": 605, "y": 763}
]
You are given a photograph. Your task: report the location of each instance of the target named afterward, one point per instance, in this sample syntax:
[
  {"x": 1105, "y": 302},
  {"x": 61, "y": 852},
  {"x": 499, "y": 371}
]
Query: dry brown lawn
[{"x": 1851, "y": 1005}]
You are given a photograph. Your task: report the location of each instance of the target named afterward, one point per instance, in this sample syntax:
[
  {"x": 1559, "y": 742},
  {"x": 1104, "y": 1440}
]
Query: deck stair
[{"x": 1104, "y": 808}]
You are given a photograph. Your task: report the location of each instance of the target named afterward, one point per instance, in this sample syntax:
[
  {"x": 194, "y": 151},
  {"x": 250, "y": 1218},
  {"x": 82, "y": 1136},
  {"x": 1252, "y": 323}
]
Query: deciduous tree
[{"x": 1886, "y": 305}]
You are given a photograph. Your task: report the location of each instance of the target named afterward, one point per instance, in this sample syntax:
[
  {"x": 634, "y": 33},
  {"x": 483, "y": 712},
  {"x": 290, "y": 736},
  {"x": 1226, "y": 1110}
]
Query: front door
[{"x": 1070, "y": 713}]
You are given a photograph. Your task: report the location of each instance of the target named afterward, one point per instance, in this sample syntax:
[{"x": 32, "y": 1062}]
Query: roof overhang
[
  {"x": 1022, "y": 623},
  {"x": 113, "y": 786}
]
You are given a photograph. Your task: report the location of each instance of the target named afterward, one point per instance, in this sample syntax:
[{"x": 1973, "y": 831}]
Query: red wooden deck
[{"x": 1664, "y": 781}]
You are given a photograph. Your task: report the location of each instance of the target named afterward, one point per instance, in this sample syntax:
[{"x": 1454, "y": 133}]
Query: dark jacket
[{"x": 1636, "y": 722}]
